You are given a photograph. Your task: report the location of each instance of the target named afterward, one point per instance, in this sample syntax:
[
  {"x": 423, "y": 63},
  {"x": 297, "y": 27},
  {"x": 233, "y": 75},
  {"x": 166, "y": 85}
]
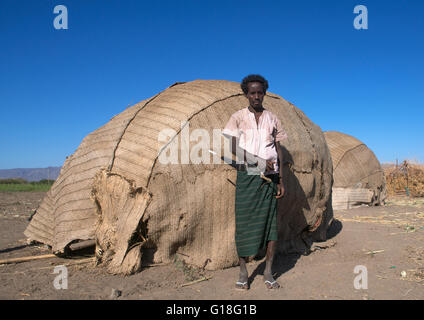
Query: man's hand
[
  {"x": 269, "y": 165},
  {"x": 280, "y": 191}
]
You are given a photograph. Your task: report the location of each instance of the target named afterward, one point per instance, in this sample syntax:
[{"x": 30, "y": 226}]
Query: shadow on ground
[{"x": 285, "y": 262}]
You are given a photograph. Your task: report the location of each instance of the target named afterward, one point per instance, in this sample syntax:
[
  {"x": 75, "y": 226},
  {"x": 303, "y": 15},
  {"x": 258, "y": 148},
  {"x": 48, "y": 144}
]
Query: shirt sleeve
[
  {"x": 232, "y": 127},
  {"x": 280, "y": 133}
]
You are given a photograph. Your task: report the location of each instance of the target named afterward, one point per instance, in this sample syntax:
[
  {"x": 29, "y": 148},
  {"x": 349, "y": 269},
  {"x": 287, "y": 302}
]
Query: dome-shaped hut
[
  {"x": 120, "y": 189},
  {"x": 358, "y": 175}
]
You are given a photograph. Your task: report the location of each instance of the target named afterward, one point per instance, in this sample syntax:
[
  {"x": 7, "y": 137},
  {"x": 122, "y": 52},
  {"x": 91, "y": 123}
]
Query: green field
[{"x": 19, "y": 185}]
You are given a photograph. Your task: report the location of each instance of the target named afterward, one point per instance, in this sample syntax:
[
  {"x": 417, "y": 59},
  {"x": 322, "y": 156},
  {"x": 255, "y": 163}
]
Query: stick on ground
[
  {"x": 23, "y": 259},
  {"x": 196, "y": 281}
]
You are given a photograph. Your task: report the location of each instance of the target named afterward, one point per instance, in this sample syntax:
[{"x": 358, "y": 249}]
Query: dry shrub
[{"x": 405, "y": 176}]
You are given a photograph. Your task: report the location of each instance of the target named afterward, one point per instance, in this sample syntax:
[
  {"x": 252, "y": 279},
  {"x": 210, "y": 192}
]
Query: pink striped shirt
[{"x": 258, "y": 139}]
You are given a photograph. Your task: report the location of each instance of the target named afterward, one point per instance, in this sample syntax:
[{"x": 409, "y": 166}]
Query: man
[{"x": 255, "y": 134}]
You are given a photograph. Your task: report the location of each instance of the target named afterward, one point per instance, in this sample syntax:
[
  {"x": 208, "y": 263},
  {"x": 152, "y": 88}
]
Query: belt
[{"x": 243, "y": 166}]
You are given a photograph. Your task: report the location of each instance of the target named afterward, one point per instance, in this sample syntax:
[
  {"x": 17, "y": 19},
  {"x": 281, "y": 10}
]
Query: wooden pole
[
  {"x": 23, "y": 259},
  {"x": 82, "y": 245},
  {"x": 196, "y": 281}
]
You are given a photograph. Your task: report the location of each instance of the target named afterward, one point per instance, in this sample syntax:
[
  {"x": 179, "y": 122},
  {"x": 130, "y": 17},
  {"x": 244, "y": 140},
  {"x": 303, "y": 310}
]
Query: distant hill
[{"x": 31, "y": 174}]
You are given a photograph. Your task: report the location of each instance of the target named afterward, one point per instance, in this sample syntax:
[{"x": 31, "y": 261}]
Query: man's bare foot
[
  {"x": 242, "y": 285},
  {"x": 270, "y": 282},
  {"x": 243, "y": 282}
]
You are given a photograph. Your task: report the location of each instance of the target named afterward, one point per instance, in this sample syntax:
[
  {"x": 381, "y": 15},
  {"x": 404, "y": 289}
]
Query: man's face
[{"x": 255, "y": 94}]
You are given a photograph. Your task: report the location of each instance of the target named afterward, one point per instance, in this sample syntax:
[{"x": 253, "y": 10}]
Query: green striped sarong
[{"x": 256, "y": 213}]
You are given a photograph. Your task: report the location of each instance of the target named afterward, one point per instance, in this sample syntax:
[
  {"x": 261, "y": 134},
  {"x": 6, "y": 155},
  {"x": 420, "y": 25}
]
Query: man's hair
[{"x": 253, "y": 78}]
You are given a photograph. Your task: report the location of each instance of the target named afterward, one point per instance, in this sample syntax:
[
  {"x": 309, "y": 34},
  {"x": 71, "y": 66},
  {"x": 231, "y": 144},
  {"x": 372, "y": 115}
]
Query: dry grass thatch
[
  {"x": 355, "y": 169},
  {"x": 140, "y": 210}
]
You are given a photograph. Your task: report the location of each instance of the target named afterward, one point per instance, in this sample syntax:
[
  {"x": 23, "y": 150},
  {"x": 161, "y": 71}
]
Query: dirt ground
[{"x": 388, "y": 241}]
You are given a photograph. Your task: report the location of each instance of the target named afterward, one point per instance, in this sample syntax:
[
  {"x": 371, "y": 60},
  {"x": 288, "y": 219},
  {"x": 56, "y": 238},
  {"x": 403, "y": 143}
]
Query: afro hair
[{"x": 253, "y": 78}]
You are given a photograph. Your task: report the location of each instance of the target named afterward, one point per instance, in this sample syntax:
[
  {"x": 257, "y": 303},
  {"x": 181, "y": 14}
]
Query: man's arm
[
  {"x": 232, "y": 132},
  {"x": 241, "y": 154},
  {"x": 280, "y": 186}
]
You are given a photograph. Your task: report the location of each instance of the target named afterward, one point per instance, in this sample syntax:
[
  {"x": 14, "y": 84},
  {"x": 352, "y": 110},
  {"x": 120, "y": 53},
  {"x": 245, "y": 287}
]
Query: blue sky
[{"x": 57, "y": 86}]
